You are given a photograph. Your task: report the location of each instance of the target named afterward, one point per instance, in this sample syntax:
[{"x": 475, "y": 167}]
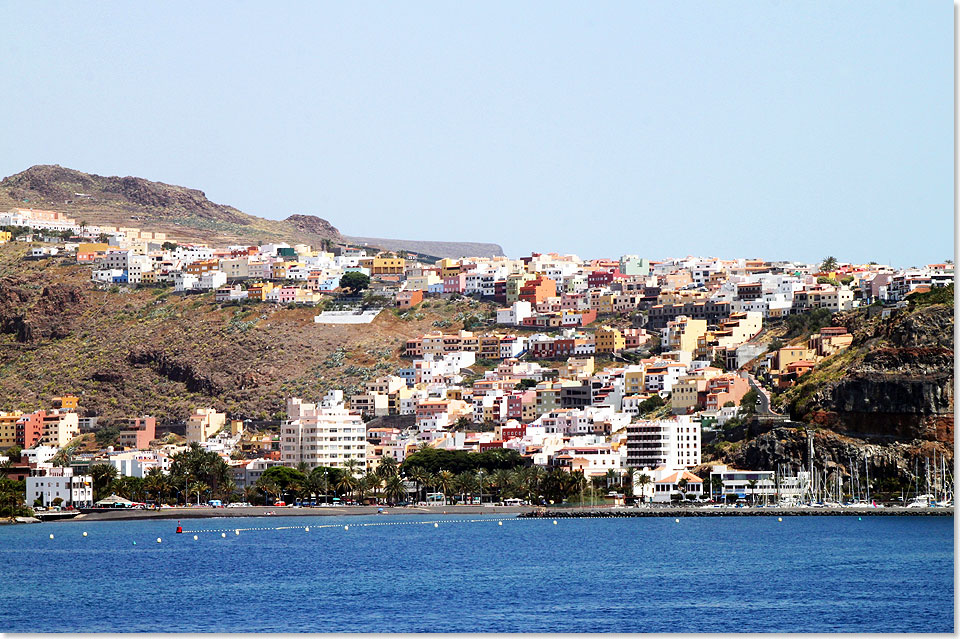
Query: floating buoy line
[{"x": 306, "y": 528}]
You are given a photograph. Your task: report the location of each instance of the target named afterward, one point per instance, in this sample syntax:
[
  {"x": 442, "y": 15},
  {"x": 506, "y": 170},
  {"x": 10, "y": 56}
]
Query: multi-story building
[
  {"x": 8, "y": 428},
  {"x": 47, "y": 427},
  {"x": 682, "y": 334},
  {"x": 50, "y": 484},
  {"x": 203, "y": 423},
  {"x": 325, "y": 434},
  {"x": 674, "y": 443},
  {"x": 138, "y": 432},
  {"x": 609, "y": 340},
  {"x": 712, "y": 311}
]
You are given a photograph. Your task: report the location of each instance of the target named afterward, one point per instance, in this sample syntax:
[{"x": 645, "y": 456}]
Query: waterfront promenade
[{"x": 521, "y": 511}]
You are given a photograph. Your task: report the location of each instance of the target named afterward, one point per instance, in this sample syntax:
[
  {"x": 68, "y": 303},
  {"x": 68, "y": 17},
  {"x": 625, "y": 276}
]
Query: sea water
[{"x": 471, "y": 574}]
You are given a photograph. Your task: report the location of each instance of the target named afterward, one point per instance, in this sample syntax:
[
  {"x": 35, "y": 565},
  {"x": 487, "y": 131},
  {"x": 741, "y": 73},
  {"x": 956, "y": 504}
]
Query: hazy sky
[{"x": 770, "y": 129}]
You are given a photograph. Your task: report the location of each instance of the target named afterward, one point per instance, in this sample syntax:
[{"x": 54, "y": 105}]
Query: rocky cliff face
[
  {"x": 895, "y": 384},
  {"x": 55, "y": 184},
  {"x": 32, "y": 317},
  {"x": 314, "y": 225},
  {"x": 896, "y": 461},
  {"x": 184, "y": 214}
]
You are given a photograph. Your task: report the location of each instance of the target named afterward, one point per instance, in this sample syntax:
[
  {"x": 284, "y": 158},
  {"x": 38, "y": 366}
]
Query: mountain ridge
[{"x": 184, "y": 214}]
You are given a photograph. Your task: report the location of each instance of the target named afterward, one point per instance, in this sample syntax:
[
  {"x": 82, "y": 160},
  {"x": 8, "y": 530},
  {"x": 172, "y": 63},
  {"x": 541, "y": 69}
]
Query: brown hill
[
  {"x": 152, "y": 351},
  {"x": 184, "y": 214}
]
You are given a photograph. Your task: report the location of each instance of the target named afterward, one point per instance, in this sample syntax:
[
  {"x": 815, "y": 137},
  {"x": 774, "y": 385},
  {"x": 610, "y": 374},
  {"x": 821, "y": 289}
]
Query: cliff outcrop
[{"x": 894, "y": 383}]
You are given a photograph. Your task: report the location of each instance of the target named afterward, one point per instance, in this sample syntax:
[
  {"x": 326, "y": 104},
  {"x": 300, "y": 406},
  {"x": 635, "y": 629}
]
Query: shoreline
[
  {"x": 888, "y": 511},
  {"x": 286, "y": 511},
  {"x": 519, "y": 511}
]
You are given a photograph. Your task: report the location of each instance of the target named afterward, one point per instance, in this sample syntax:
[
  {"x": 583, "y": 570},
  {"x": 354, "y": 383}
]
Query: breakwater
[{"x": 739, "y": 512}]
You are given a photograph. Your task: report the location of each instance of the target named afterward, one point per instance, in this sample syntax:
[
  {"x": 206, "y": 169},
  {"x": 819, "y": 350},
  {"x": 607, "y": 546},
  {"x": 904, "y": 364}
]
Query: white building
[
  {"x": 323, "y": 435},
  {"x": 515, "y": 314},
  {"x": 212, "y": 280},
  {"x": 674, "y": 443},
  {"x": 60, "y": 482},
  {"x": 185, "y": 282}
]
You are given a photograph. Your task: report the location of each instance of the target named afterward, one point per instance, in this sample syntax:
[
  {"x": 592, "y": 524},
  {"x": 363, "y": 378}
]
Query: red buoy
[{"x": 179, "y": 528}]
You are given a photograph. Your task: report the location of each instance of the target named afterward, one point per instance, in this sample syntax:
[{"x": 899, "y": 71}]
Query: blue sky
[{"x": 786, "y": 130}]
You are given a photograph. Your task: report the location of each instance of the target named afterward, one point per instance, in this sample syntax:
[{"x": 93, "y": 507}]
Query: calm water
[{"x": 736, "y": 574}]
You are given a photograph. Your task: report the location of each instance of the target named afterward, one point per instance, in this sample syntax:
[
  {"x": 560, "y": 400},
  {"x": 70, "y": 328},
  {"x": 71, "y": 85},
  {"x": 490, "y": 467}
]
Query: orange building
[{"x": 538, "y": 289}]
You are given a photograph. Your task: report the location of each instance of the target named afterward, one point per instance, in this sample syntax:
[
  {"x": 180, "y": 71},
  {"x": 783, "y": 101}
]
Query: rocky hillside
[
  {"x": 895, "y": 382},
  {"x": 888, "y": 400},
  {"x": 152, "y": 351},
  {"x": 184, "y": 214}
]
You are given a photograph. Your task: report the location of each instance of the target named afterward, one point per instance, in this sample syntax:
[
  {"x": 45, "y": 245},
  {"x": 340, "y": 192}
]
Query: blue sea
[{"x": 473, "y": 574}]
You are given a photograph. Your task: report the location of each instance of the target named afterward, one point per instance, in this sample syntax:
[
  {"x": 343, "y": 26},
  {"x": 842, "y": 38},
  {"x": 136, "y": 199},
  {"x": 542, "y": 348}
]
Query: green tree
[
  {"x": 394, "y": 489},
  {"x": 419, "y": 475},
  {"x": 643, "y": 480},
  {"x": 355, "y": 282},
  {"x": 103, "y": 476},
  {"x": 283, "y": 476},
  {"x": 156, "y": 483},
  {"x": 748, "y": 403},
  {"x": 387, "y": 467},
  {"x": 445, "y": 481},
  {"x": 829, "y": 264}
]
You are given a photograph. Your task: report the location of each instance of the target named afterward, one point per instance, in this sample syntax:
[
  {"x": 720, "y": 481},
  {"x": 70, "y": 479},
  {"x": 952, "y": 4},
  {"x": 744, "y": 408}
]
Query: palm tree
[
  {"x": 351, "y": 466},
  {"x": 483, "y": 480},
  {"x": 198, "y": 488},
  {"x": 829, "y": 264},
  {"x": 445, "y": 482},
  {"x": 501, "y": 480},
  {"x": 420, "y": 476},
  {"x": 643, "y": 480},
  {"x": 369, "y": 483},
  {"x": 466, "y": 483},
  {"x": 268, "y": 487},
  {"x": 753, "y": 490},
  {"x": 346, "y": 483},
  {"x": 716, "y": 486},
  {"x": 387, "y": 467},
  {"x": 394, "y": 490},
  {"x": 155, "y": 482},
  {"x": 103, "y": 475},
  {"x": 535, "y": 476},
  {"x": 611, "y": 477},
  {"x": 63, "y": 456}
]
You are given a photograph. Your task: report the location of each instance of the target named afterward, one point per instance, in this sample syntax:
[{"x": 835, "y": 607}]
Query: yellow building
[
  {"x": 258, "y": 292},
  {"x": 449, "y": 267},
  {"x": 610, "y": 340},
  {"x": 278, "y": 270},
  {"x": 681, "y": 334},
  {"x": 790, "y": 354},
  {"x": 5, "y": 236},
  {"x": 8, "y": 429},
  {"x": 67, "y": 402},
  {"x": 204, "y": 423},
  {"x": 605, "y": 304},
  {"x": 515, "y": 282},
  {"x": 634, "y": 380},
  {"x": 577, "y": 367},
  {"x": 387, "y": 266}
]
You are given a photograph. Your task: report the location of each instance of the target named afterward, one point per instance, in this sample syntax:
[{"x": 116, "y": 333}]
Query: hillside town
[{"x": 615, "y": 372}]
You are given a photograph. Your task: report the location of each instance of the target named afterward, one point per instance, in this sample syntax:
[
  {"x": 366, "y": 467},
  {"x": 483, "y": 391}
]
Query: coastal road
[{"x": 763, "y": 406}]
